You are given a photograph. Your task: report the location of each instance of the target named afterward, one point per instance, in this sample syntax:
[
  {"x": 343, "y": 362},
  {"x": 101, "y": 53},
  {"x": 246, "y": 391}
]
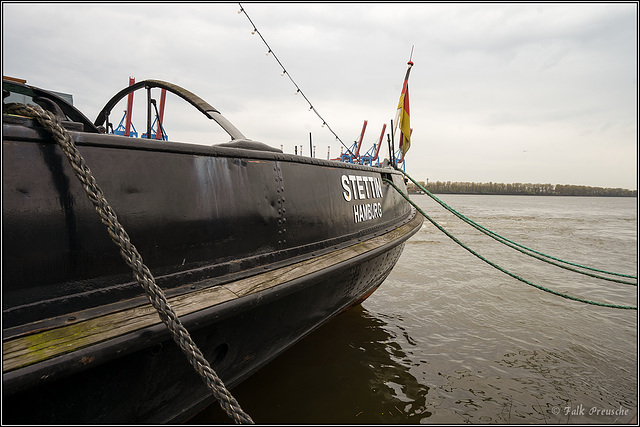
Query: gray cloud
[{"x": 489, "y": 81}]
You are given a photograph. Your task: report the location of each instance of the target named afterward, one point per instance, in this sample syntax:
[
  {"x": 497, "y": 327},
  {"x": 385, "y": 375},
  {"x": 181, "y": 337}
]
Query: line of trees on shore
[{"x": 448, "y": 187}]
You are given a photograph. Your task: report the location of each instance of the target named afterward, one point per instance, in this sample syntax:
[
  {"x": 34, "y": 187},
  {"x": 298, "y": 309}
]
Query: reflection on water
[
  {"x": 354, "y": 362},
  {"x": 447, "y": 339}
]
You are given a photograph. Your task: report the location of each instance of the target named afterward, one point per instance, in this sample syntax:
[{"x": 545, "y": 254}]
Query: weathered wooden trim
[{"x": 49, "y": 343}]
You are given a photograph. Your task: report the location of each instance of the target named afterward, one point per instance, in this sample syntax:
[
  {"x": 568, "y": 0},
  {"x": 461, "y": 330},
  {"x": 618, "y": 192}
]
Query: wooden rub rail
[{"x": 45, "y": 344}]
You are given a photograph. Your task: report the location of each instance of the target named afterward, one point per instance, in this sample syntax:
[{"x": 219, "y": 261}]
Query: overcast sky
[{"x": 522, "y": 92}]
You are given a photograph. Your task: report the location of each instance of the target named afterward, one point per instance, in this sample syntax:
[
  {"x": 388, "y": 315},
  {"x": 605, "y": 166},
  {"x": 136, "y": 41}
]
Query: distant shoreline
[
  {"x": 519, "y": 189},
  {"x": 513, "y": 194}
]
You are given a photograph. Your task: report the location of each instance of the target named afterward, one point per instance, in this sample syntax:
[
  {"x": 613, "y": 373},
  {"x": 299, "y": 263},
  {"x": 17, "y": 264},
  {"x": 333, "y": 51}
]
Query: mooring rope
[
  {"x": 496, "y": 266},
  {"x": 131, "y": 256},
  {"x": 511, "y": 244}
]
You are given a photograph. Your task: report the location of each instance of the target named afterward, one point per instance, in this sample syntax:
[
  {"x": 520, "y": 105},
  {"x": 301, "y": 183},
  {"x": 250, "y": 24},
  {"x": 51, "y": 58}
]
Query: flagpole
[{"x": 401, "y": 108}]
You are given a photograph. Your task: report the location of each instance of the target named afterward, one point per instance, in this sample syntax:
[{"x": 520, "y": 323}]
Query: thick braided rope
[{"x": 133, "y": 259}]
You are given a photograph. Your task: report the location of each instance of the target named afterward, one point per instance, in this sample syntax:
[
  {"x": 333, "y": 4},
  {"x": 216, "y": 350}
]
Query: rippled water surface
[{"x": 449, "y": 339}]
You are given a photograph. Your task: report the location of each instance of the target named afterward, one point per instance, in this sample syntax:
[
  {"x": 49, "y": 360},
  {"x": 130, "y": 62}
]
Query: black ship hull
[{"x": 253, "y": 248}]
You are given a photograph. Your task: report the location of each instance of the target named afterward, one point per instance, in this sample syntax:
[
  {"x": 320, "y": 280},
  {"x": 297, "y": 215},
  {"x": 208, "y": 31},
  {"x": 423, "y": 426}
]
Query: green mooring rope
[
  {"x": 511, "y": 244},
  {"x": 624, "y": 307}
]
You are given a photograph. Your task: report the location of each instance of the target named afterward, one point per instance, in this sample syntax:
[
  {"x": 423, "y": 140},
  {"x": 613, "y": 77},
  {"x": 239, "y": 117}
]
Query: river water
[{"x": 448, "y": 339}]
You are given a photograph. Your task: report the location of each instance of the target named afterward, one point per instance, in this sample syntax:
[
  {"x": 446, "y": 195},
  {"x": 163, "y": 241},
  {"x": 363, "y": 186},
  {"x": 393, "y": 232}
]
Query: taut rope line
[
  {"x": 601, "y": 304},
  {"x": 509, "y": 243},
  {"x": 133, "y": 259}
]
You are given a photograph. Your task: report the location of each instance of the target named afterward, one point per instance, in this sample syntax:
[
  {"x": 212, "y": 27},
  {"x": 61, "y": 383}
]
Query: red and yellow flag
[{"x": 402, "y": 114}]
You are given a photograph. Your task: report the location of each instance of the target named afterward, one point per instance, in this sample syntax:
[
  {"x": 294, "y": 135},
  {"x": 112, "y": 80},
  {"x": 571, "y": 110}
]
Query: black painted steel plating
[{"x": 201, "y": 217}]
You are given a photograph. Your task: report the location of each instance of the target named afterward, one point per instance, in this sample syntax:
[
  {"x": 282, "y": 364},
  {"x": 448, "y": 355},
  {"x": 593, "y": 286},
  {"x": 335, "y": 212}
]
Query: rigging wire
[{"x": 284, "y": 71}]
